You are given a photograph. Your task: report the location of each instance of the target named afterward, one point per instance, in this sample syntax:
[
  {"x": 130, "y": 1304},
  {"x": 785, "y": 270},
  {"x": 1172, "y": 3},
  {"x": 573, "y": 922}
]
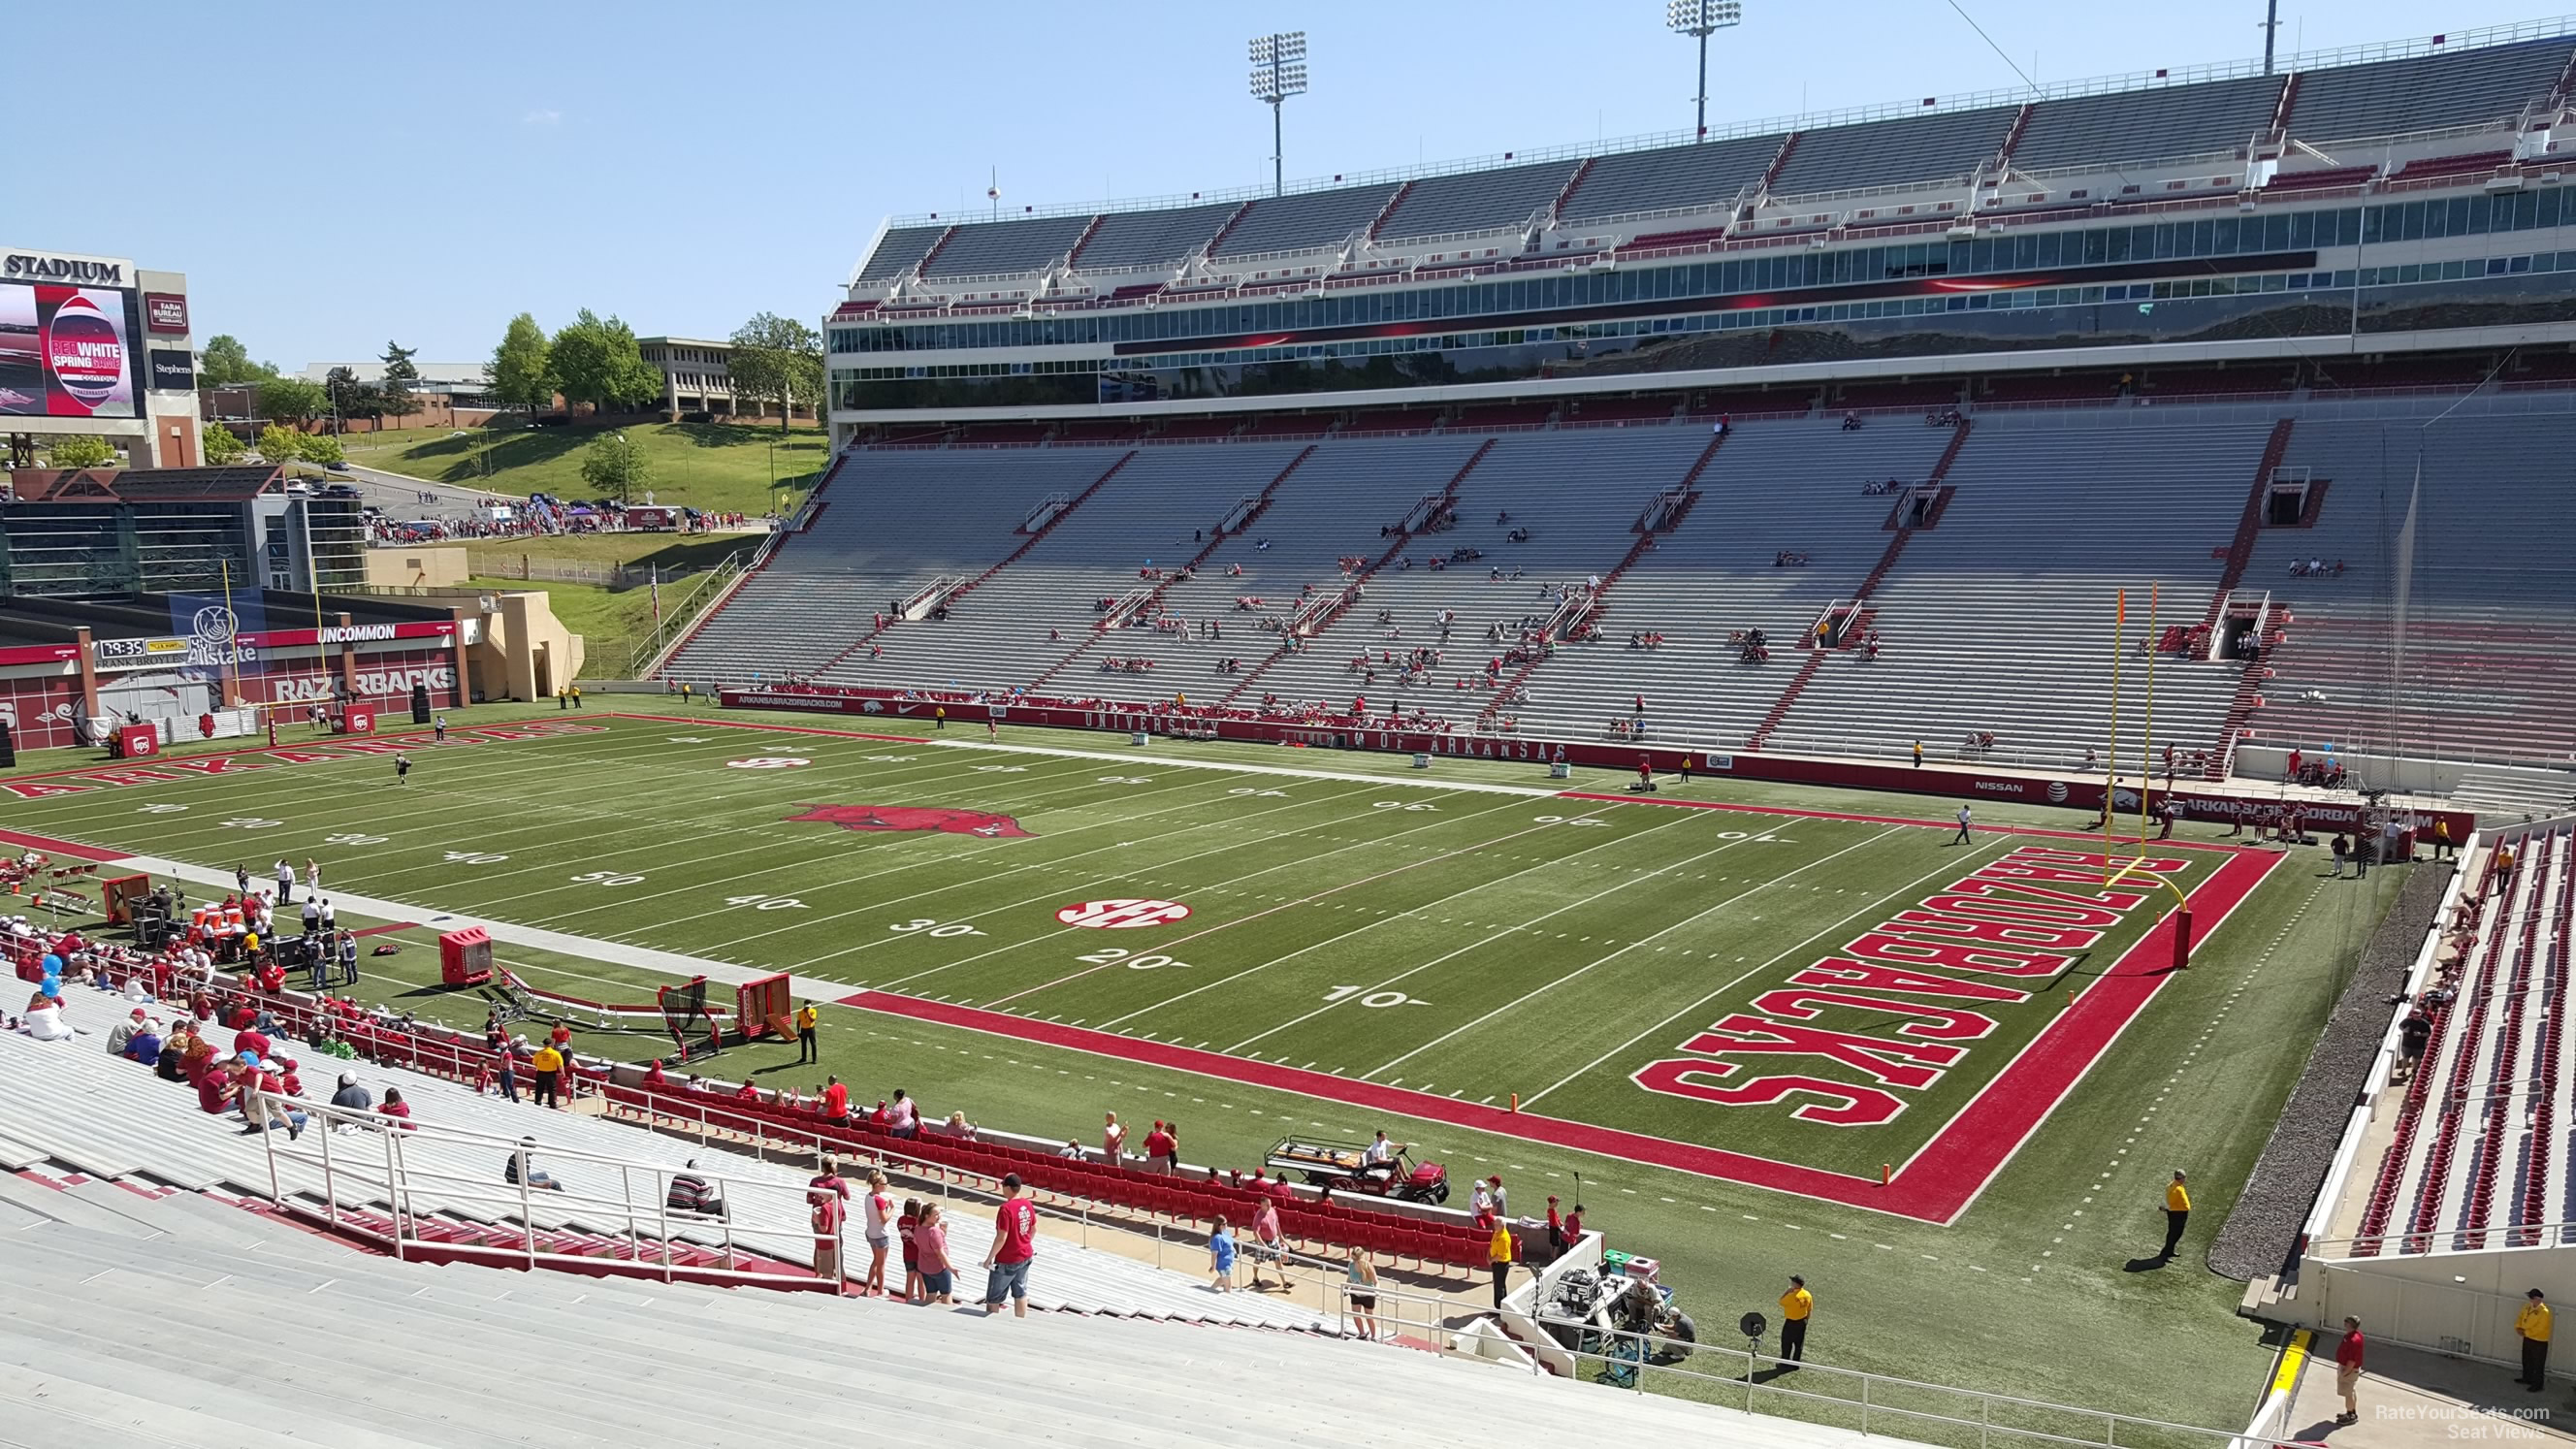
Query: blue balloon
[
  {"x": 52, "y": 988},
  {"x": 53, "y": 965}
]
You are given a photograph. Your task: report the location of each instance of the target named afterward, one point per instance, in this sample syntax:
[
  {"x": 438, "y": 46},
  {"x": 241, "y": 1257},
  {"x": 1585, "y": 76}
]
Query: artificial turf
[{"x": 1477, "y": 948}]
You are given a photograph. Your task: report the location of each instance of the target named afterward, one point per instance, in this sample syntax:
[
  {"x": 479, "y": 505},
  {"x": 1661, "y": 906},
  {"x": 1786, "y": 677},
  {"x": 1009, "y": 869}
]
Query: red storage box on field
[{"x": 465, "y": 957}]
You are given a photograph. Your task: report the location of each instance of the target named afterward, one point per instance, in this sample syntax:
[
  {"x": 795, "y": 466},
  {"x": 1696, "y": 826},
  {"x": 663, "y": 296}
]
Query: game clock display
[{"x": 67, "y": 352}]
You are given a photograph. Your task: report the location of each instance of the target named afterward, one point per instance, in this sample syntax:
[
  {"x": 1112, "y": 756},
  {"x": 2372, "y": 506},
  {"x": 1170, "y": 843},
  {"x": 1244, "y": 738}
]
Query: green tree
[
  {"x": 280, "y": 444},
  {"x": 227, "y": 362},
  {"x": 220, "y": 446},
  {"x": 615, "y": 465},
  {"x": 401, "y": 378},
  {"x": 522, "y": 373},
  {"x": 291, "y": 399},
  {"x": 320, "y": 448},
  {"x": 80, "y": 450},
  {"x": 777, "y": 359},
  {"x": 597, "y": 362},
  {"x": 351, "y": 398}
]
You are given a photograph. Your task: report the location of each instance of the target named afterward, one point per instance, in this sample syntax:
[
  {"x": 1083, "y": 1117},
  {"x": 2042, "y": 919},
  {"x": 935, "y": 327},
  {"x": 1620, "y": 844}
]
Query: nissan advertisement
[{"x": 67, "y": 352}]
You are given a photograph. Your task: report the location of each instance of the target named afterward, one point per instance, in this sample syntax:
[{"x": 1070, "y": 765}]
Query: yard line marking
[
  {"x": 1062, "y": 931},
  {"x": 1692, "y": 920},
  {"x": 1948, "y": 864},
  {"x": 1390, "y": 919},
  {"x": 1175, "y": 945},
  {"x": 1499, "y": 933}
]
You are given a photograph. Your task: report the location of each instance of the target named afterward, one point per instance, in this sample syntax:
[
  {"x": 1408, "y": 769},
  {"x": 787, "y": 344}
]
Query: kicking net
[{"x": 684, "y": 1007}]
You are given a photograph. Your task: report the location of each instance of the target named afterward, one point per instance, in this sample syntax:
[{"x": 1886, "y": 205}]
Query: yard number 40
[{"x": 1373, "y": 998}]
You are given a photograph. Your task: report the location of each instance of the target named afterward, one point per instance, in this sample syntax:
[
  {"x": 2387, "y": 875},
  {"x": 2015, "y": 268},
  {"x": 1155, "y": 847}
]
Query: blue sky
[{"x": 331, "y": 176}]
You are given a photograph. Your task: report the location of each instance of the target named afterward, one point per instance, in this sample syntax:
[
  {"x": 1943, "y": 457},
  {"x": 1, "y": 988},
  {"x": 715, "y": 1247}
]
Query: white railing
[
  {"x": 364, "y": 1158},
  {"x": 1760, "y": 1383},
  {"x": 705, "y": 592},
  {"x": 722, "y": 1130}
]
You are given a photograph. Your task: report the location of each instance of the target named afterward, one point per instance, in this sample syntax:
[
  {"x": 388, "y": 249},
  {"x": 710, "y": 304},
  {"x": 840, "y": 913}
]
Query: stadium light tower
[
  {"x": 1702, "y": 18},
  {"x": 1278, "y": 72}
]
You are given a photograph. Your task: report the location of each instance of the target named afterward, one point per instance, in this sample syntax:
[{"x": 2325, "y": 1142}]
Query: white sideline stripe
[
  {"x": 1164, "y": 762},
  {"x": 646, "y": 958}
]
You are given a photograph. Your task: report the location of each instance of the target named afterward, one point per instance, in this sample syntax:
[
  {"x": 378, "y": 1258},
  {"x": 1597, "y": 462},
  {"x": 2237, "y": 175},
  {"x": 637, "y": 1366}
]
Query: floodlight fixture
[
  {"x": 1702, "y": 19},
  {"x": 1278, "y": 72}
]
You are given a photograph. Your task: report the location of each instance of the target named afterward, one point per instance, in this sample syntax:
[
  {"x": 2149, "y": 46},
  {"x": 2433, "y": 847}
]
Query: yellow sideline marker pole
[{"x": 2146, "y": 781}]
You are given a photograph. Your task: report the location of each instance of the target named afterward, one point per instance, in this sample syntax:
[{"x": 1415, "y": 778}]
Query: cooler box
[
  {"x": 135, "y": 741},
  {"x": 358, "y": 720},
  {"x": 465, "y": 957}
]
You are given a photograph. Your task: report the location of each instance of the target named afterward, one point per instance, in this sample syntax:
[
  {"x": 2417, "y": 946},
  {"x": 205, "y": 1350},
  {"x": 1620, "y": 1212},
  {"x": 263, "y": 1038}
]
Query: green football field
[{"x": 1799, "y": 1031}]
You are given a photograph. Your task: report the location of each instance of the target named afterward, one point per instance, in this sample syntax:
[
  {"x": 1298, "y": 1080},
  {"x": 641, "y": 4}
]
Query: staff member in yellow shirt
[
  {"x": 806, "y": 1048},
  {"x": 547, "y": 1066},
  {"x": 2177, "y": 1213},
  {"x": 2532, "y": 1323},
  {"x": 1795, "y": 1307}
]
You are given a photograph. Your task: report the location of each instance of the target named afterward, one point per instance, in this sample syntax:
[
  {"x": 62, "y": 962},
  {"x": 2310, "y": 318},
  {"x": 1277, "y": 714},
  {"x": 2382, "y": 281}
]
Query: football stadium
[{"x": 1481, "y": 794}]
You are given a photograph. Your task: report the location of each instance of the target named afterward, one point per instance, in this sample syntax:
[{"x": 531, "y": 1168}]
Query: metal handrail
[
  {"x": 1873, "y": 1390},
  {"x": 761, "y": 1131}
]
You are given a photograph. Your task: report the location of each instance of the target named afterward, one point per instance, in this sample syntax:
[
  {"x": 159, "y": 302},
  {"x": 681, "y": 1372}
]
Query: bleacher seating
[
  {"x": 407, "y": 1355},
  {"x": 1998, "y": 620},
  {"x": 1578, "y": 493},
  {"x": 1994, "y": 620},
  {"x": 1130, "y": 240},
  {"x": 1328, "y": 510},
  {"x": 1002, "y": 247},
  {"x": 892, "y": 522},
  {"x": 1883, "y": 153},
  {"x": 1306, "y": 220},
  {"x": 2137, "y": 121},
  {"x": 1470, "y": 201},
  {"x": 1669, "y": 177},
  {"x": 998, "y": 634},
  {"x": 2149, "y": 125},
  {"x": 2478, "y": 1153},
  {"x": 900, "y": 248},
  {"x": 2488, "y": 673},
  {"x": 110, "y": 1118},
  {"x": 2489, "y": 85},
  {"x": 1790, "y": 487}
]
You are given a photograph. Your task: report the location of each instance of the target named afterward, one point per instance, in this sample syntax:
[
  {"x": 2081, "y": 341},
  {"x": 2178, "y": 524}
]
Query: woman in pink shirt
[
  {"x": 876, "y": 1218},
  {"x": 930, "y": 1250}
]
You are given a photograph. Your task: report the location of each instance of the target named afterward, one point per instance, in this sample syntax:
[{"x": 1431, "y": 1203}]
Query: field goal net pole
[
  {"x": 292, "y": 709},
  {"x": 2136, "y": 867}
]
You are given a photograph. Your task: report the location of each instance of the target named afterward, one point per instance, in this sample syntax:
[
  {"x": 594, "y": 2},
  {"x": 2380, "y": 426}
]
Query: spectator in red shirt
[
  {"x": 1006, "y": 1263},
  {"x": 836, "y": 1103},
  {"x": 2348, "y": 1371},
  {"x": 828, "y": 1197},
  {"x": 394, "y": 1106},
  {"x": 653, "y": 1075},
  {"x": 215, "y": 1088},
  {"x": 1158, "y": 1149}
]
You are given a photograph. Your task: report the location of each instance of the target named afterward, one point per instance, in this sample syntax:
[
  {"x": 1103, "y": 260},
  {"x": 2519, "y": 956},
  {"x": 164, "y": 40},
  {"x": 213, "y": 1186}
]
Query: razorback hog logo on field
[{"x": 915, "y": 817}]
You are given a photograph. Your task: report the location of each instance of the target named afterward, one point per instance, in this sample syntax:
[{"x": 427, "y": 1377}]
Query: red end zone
[{"x": 1935, "y": 1185}]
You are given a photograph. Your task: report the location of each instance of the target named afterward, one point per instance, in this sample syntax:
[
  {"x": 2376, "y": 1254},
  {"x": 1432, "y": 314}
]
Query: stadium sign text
[
  {"x": 185, "y": 767},
  {"x": 1990, "y": 941},
  {"x": 46, "y": 267}
]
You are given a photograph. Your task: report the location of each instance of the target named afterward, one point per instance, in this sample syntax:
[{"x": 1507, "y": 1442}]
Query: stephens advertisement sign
[{"x": 67, "y": 351}]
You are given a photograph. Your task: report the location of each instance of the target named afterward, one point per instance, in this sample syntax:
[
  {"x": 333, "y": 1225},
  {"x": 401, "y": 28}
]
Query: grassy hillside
[{"x": 701, "y": 465}]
